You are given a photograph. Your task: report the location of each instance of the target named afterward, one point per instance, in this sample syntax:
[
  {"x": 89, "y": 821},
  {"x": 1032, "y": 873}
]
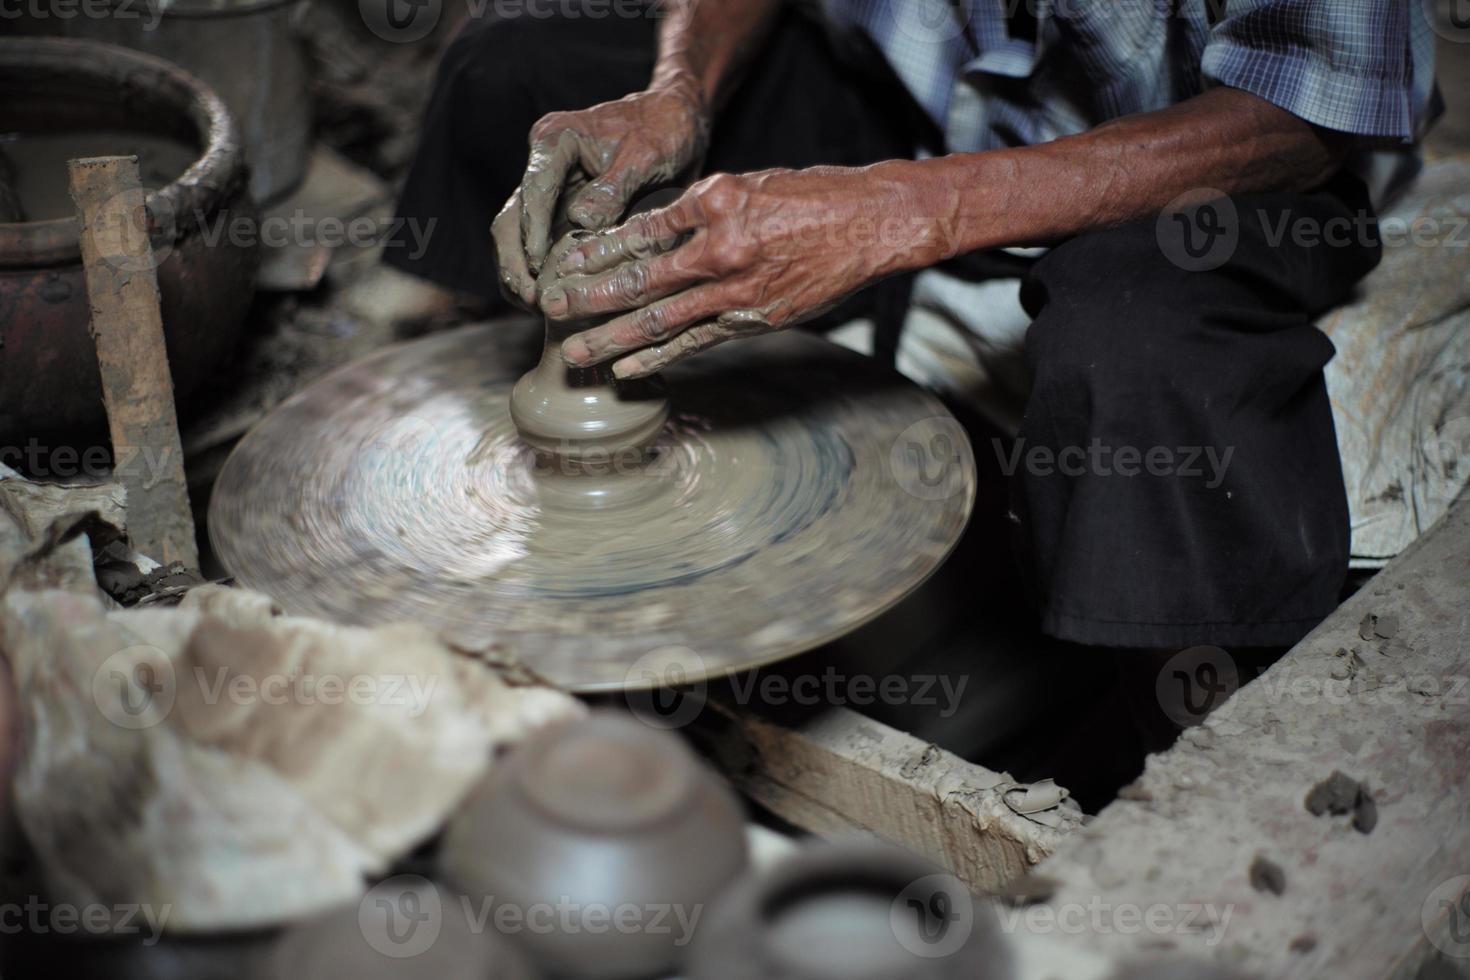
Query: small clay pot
[
  {"x": 584, "y": 415},
  {"x": 598, "y": 844},
  {"x": 404, "y": 929},
  {"x": 849, "y": 912}
]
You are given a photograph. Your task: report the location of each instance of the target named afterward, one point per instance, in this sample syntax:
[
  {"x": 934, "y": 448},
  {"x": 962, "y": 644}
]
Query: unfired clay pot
[
  {"x": 404, "y": 929},
  {"x": 582, "y": 414},
  {"x": 602, "y": 818}
]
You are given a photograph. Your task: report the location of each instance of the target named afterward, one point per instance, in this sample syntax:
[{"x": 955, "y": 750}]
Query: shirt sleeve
[{"x": 1355, "y": 66}]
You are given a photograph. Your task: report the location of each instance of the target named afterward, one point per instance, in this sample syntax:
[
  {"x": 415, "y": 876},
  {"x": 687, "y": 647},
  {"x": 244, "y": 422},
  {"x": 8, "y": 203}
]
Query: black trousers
[{"x": 1177, "y": 479}]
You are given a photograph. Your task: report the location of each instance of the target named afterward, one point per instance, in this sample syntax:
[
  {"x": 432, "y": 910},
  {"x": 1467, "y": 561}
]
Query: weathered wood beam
[
  {"x": 132, "y": 358},
  {"x": 838, "y": 773}
]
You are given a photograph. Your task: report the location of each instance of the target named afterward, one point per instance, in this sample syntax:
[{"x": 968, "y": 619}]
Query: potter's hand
[
  {"x": 590, "y": 163},
  {"x": 735, "y": 255}
]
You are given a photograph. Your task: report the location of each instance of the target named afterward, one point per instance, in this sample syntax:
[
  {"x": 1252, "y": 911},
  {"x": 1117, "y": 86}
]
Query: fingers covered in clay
[
  {"x": 604, "y": 200},
  {"x": 516, "y": 279},
  {"x": 640, "y": 237},
  {"x": 728, "y": 326},
  {"x": 626, "y": 287},
  {"x": 653, "y": 324},
  {"x": 551, "y": 161}
]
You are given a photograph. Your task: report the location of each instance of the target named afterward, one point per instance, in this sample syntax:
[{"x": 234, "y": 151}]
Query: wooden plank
[
  {"x": 1392, "y": 710},
  {"x": 838, "y": 773},
  {"x": 132, "y": 358}
]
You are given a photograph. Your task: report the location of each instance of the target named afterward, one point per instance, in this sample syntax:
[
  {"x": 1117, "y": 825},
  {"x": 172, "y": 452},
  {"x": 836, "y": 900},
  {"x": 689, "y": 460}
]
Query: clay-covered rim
[{"x": 25, "y": 63}]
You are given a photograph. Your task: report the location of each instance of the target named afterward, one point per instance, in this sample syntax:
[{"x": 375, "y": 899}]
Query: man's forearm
[
  {"x": 706, "y": 44},
  {"x": 1123, "y": 171}
]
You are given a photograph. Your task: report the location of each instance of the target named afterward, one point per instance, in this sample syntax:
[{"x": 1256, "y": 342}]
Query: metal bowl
[{"x": 206, "y": 274}]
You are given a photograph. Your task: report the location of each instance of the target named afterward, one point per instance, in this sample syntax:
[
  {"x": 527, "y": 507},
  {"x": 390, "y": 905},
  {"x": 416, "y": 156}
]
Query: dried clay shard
[
  {"x": 1340, "y": 795},
  {"x": 1334, "y": 795},
  {"x": 1038, "y": 796},
  {"x": 1267, "y": 876}
]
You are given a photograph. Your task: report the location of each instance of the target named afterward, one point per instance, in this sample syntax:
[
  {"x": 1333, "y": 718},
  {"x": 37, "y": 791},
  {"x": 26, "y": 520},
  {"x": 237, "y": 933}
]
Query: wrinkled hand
[
  {"x": 734, "y": 256},
  {"x": 589, "y": 164}
]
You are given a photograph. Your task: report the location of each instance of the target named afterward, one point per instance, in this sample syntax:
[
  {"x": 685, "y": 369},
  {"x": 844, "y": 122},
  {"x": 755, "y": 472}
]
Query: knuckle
[
  {"x": 631, "y": 284},
  {"x": 721, "y": 192},
  {"x": 650, "y": 325},
  {"x": 728, "y": 253},
  {"x": 697, "y": 338},
  {"x": 550, "y": 124}
]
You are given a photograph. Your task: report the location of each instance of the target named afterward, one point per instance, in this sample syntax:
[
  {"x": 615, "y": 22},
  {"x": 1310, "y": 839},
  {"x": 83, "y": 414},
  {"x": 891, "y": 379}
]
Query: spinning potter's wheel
[{"x": 796, "y": 491}]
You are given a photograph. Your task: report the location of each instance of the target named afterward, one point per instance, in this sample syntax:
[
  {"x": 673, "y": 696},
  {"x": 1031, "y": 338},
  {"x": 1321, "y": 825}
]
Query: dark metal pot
[
  {"x": 249, "y": 51},
  {"x": 48, "y": 370}
]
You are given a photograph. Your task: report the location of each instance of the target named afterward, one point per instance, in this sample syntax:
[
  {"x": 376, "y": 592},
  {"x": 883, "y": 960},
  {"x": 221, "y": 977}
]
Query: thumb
[{"x": 603, "y": 201}]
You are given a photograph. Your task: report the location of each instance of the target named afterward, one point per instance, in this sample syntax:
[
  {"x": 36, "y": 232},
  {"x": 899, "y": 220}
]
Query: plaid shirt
[{"x": 996, "y": 73}]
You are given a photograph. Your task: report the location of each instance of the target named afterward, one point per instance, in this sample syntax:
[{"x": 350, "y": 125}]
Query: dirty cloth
[
  {"x": 47, "y": 531},
  {"x": 1128, "y": 352},
  {"x": 239, "y": 768}
]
